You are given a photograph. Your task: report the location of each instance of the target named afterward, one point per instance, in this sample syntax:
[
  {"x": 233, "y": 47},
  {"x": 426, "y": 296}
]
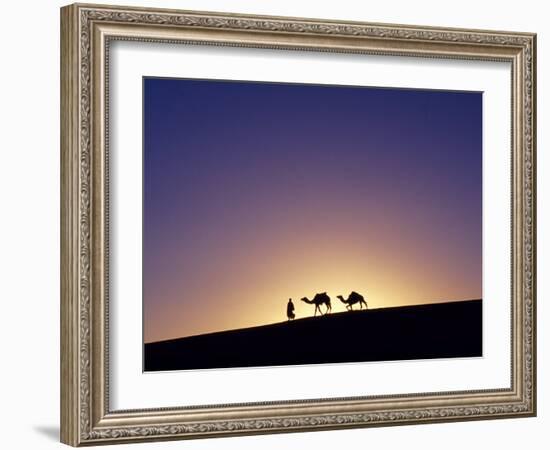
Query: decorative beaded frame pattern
[{"x": 86, "y": 33}]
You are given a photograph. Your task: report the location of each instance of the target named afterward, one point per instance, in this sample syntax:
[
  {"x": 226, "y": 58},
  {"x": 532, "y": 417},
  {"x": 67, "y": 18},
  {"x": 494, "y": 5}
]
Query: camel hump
[
  {"x": 323, "y": 296},
  {"x": 355, "y": 294}
]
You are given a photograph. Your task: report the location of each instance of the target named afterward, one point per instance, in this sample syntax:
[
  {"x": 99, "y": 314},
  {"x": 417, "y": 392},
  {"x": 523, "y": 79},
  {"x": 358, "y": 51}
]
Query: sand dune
[{"x": 443, "y": 330}]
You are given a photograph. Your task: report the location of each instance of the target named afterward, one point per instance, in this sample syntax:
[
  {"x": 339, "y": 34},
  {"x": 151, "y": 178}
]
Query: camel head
[
  {"x": 306, "y": 300},
  {"x": 341, "y": 298}
]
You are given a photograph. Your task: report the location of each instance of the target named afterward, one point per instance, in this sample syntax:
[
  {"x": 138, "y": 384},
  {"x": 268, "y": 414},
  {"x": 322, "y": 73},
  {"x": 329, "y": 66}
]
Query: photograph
[
  {"x": 290, "y": 223},
  {"x": 275, "y": 225}
]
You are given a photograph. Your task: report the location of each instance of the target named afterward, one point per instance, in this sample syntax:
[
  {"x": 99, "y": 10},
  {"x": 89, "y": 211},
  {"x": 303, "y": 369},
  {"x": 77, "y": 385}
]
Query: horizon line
[{"x": 314, "y": 317}]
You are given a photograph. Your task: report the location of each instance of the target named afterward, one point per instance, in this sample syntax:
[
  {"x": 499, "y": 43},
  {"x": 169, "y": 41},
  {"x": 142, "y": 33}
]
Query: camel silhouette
[
  {"x": 319, "y": 300},
  {"x": 353, "y": 298}
]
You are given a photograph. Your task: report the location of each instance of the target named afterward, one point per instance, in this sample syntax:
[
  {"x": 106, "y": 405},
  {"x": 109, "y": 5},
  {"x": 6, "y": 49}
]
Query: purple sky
[{"x": 257, "y": 192}]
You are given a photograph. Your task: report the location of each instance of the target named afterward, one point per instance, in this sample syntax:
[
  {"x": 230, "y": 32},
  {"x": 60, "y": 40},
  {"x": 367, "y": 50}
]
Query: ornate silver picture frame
[{"x": 87, "y": 413}]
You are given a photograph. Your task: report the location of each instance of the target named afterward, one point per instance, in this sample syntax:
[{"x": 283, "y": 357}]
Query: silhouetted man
[{"x": 290, "y": 309}]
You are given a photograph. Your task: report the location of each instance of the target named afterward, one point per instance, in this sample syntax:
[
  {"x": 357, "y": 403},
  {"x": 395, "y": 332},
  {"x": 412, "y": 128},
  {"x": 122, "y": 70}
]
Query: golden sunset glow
[
  {"x": 255, "y": 290},
  {"x": 255, "y": 193}
]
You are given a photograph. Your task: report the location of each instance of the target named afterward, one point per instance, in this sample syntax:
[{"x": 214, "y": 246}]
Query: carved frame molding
[{"x": 86, "y": 31}]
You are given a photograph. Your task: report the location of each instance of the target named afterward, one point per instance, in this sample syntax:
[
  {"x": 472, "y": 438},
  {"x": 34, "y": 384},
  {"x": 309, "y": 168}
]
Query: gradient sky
[{"x": 257, "y": 192}]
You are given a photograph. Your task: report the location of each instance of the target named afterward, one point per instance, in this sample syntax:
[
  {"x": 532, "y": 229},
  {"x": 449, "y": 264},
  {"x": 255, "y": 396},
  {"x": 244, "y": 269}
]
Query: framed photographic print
[{"x": 278, "y": 224}]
